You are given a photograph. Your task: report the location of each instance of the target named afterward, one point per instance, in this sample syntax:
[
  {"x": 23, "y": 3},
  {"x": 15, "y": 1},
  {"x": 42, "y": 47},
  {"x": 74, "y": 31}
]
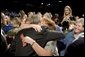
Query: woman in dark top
[{"x": 67, "y": 17}]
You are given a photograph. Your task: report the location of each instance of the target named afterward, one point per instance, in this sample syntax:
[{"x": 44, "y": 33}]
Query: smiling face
[
  {"x": 67, "y": 11},
  {"x": 78, "y": 28}
]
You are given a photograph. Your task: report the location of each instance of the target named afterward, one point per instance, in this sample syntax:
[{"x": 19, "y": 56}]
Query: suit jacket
[
  {"x": 40, "y": 37},
  {"x": 3, "y": 45},
  {"x": 76, "y": 48}
]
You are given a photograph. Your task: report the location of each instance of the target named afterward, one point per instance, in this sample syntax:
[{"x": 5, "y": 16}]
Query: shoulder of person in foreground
[{"x": 76, "y": 48}]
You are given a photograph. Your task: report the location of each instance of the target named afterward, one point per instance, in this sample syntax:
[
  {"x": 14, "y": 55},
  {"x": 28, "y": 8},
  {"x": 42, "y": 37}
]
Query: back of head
[
  {"x": 47, "y": 15},
  {"x": 50, "y": 23},
  {"x": 35, "y": 19}
]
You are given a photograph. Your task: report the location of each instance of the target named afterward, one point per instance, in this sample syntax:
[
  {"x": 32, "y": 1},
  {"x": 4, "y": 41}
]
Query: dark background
[{"x": 53, "y": 6}]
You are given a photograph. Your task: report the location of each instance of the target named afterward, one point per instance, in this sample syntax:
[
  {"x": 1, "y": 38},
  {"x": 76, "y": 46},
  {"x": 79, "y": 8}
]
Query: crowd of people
[{"x": 37, "y": 34}]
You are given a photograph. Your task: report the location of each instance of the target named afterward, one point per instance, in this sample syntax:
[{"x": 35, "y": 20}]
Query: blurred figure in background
[{"x": 67, "y": 17}]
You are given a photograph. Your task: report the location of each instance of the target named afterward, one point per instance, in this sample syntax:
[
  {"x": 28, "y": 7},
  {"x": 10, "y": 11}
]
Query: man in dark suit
[{"x": 76, "y": 48}]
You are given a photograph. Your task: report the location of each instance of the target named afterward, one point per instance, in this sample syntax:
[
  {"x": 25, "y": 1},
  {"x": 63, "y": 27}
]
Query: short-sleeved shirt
[{"x": 51, "y": 46}]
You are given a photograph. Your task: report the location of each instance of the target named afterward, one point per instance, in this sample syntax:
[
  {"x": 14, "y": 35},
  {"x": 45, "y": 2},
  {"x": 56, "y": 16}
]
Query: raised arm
[
  {"x": 37, "y": 48},
  {"x": 53, "y": 35}
]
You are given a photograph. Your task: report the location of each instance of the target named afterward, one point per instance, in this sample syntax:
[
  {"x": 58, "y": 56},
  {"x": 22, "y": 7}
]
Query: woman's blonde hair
[
  {"x": 16, "y": 22},
  {"x": 50, "y": 23},
  {"x": 69, "y": 10}
]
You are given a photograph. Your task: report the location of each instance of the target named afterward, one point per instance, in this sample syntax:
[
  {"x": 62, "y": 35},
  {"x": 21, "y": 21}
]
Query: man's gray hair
[{"x": 80, "y": 20}]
